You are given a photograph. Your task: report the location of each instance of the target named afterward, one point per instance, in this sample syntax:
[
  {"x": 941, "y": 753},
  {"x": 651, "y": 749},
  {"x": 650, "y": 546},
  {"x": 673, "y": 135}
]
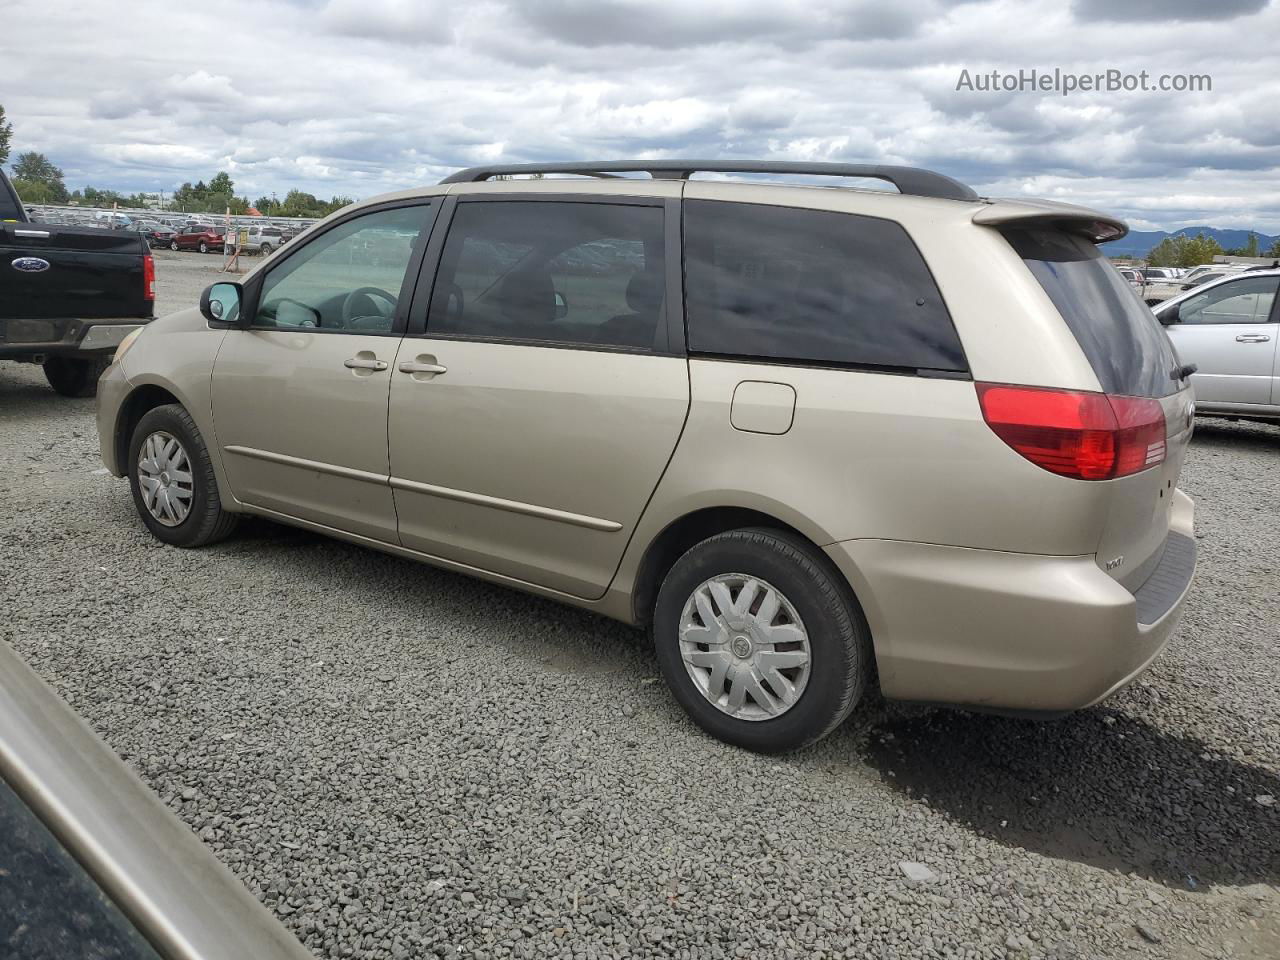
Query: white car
[
  {"x": 265, "y": 240},
  {"x": 1160, "y": 291},
  {"x": 1229, "y": 327}
]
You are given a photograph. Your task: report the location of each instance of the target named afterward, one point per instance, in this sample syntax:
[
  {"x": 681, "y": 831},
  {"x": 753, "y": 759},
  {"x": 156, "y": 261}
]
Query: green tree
[
  {"x": 6, "y": 133},
  {"x": 1179, "y": 250},
  {"x": 34, "y": 191},
  {"x": 38, "y": 168},
  {"x": 1275, "y": 249}
]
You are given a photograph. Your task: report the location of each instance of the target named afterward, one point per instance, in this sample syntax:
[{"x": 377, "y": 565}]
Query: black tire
[
  {"x": 204, "y": 247},
  {"x": 173, "y": 245},
  {"x": 839, "y": 639},
  {"x": 265, "y": 249},
  {"x": 75, "y": 376},
  {"x": 206, "y": 522}
]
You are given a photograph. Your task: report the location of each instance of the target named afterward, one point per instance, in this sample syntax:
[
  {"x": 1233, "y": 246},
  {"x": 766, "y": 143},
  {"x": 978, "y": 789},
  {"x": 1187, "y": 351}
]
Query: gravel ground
[{"x": 403, "y": 762}]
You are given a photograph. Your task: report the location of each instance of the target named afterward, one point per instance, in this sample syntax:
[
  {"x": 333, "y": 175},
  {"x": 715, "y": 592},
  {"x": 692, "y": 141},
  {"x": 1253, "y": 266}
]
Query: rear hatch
[
  {"x": 78, "y": 272},
  {"x": 1132, "y": 357}
]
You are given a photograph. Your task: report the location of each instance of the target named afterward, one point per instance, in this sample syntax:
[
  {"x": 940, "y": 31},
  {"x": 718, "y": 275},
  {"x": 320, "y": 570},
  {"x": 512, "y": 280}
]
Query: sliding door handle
[
  {"x": 417, "y": 366},
  {"x": 364, "y": 363}
]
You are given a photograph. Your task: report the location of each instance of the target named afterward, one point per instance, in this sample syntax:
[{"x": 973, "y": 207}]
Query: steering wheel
[{"x": 360, "y": 304}]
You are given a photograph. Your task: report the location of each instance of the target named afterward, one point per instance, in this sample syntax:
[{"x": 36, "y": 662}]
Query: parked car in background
[
  {"x": 199, "y": 236},
  {"x": 156, "y": 234},
  {"x": 1158, "y": 292},
  {"x": 1156, "y": 274},
  {"x": 116, "y": 221},
  {"x": 830, "y": 471},
  {"x": 1229, "y": 327},
  {"x": 265, "y": 240},
  {"x": 69, "y": 294},
  {"x": 1133, "y": 277}
]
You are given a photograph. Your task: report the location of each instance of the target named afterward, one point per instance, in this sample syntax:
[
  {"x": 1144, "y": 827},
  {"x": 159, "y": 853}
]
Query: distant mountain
[{"x": 1139, "y": 242}]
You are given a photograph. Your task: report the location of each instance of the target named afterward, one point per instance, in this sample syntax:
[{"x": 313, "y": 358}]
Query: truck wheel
[
  {"x": 761, "y": 640},
  {"x": 173, "y": 245},
  {"x": 172, "y": 480},
  {"x": 265, "y": 249},
  {"x": 75, "y": 376}
]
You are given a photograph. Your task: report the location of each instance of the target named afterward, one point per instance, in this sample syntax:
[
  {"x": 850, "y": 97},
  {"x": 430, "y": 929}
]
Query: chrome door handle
[
  {"x": 1252, "y": 338},
  {"x": 36, "y": 234},
  {"x": 414, "y": 366},
  {"x": 361, "y": 363}
]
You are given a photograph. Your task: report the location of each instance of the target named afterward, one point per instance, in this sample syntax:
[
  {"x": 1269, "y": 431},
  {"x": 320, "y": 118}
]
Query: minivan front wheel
[
  {"x": 760, "y": 640},
  {"x": 172, "y": 480}
]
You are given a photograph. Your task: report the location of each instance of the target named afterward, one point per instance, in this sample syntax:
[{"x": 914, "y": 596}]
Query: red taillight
[
  {"x": 148, "y": 277},
  {"x": 1088, "y": 436}
]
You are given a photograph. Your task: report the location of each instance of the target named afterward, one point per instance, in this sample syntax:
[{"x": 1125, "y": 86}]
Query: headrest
[
  {"x": 528, "y": 295},
  {"x": 644, "y": 291}
]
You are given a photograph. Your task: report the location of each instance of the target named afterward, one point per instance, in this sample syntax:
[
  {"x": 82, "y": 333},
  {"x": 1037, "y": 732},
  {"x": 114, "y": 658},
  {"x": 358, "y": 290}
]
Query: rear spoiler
[{"x": 1093, "y": 225}]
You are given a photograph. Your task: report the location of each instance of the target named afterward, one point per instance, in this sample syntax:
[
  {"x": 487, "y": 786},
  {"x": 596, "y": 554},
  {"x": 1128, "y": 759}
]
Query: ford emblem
[{"x": 30, "y": 264}]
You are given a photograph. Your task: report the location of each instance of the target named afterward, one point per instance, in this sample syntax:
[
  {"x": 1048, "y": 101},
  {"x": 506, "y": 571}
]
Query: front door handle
[
  {"x": 415, "y": 366},
  {"x": 1252, "y": 338},
  {"x": 364, "y": 363}
]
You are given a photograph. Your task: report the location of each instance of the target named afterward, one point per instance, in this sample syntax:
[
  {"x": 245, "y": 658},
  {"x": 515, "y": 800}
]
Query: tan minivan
[{"x": 808, "y": 437}]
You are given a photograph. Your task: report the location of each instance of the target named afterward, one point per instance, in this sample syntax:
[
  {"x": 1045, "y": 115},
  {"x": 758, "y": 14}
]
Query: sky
[{"x": 359, "y": 97}]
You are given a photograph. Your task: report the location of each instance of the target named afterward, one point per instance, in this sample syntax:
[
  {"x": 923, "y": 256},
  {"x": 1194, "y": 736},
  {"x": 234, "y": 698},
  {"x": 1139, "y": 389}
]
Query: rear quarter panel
[{"x": 869, "y": 455}]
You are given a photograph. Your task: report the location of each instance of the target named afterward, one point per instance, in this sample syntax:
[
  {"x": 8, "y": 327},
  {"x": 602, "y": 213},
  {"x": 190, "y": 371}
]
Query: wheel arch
[
  {"x": 136, "y": 405},
  {"x": 693, "y": 527}
]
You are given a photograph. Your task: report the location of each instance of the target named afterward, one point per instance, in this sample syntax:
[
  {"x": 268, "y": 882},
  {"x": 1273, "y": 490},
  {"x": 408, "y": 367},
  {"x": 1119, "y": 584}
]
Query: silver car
[{"x": 1229, "y": 328}]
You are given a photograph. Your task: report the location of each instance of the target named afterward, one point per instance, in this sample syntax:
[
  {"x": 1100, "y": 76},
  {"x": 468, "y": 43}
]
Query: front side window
[
  {"x": 348, "y": 278},
  {"x": 1247, "y": 300},
  {"x": 552, "y": 271},
  {"x": 811, "y": 286}
]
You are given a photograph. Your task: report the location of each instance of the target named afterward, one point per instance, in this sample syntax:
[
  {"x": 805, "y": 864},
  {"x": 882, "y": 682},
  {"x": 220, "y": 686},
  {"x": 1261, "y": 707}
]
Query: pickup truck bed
[{"x": 69, "y": 295}]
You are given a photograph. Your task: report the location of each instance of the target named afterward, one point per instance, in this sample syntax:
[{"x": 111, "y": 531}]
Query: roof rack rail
[{"x": 913, "y": 181}]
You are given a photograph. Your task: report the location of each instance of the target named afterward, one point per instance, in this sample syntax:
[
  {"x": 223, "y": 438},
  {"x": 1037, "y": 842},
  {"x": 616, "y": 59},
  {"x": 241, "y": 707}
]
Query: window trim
[
  {"x": 673, "y": 308},
  {"x": 964, "y": 373},
  {"x": 253, "y": 290}
]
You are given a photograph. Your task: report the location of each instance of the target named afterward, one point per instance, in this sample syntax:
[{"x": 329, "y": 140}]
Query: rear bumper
[
  {"x": 34, "y": 339},
  {"x": 1013, "y": 632}
]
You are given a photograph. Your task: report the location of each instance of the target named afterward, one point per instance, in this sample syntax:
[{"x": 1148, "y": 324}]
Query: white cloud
[{"x": 361, "y": 96}]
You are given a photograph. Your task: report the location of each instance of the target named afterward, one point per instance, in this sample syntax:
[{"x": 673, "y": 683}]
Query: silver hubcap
[
  {"x": 164, "y": 478},
  {"x": 744, "y": 646}
]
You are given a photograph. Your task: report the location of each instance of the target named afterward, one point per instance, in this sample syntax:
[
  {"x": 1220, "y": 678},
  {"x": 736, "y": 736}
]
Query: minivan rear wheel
[{"x": 761, "y": 640}]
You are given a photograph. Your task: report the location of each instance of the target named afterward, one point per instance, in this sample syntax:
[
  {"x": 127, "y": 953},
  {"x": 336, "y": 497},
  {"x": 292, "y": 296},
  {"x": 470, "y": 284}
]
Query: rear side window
[
  {"x": 589, "y": 274},
  {"x": 1125, "y": 344},
  {"x": 810, "y": 286}
]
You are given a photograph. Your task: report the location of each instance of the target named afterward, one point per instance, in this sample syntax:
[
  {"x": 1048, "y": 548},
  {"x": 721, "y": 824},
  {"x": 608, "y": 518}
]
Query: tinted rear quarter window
[
  {"x": 1124, "y": 343},
  {"x": 812, "y": 286}
]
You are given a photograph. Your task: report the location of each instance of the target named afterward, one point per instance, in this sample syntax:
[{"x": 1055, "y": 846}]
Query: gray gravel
[{"x": 403, "y": 762}]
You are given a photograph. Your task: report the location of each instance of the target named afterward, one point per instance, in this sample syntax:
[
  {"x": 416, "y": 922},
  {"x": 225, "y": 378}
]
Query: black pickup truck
[{"x": 69, "y": 295}]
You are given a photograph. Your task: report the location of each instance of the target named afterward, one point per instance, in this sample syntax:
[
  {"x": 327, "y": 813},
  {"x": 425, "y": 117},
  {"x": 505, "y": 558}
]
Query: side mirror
[
  {"x": 1168, "y": 317},
  {"x": 562, "y": 306},
  {"x": 220, "y": 303}
]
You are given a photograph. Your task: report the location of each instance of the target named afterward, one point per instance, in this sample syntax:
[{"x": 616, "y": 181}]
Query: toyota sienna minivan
[{"x": 810, "y": 438}]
